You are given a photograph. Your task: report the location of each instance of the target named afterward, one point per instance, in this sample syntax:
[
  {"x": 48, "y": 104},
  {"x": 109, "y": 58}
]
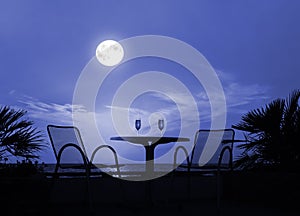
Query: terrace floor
[{"x": 242, "y": 193}]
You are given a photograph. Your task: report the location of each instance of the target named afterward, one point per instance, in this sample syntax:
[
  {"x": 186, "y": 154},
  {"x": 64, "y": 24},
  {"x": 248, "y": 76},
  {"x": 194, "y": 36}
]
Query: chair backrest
[
  {"x": 62, "y": 135},
  {"x": 200, "y": 141}
]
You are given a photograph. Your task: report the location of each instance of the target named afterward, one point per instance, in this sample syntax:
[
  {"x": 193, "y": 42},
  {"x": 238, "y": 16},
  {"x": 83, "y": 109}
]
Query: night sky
[{"x": 253, "y": 47}]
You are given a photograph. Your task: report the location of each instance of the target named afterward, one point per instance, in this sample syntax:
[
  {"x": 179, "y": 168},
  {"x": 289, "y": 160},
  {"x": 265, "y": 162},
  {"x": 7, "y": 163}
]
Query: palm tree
[
  {"x": 273, "y": 134},
  {"x": 17, "y": 135}
]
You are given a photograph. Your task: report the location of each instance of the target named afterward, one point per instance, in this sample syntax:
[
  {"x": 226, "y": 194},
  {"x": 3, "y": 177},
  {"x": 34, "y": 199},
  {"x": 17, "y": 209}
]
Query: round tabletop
[{"x": 148, "y": 140}]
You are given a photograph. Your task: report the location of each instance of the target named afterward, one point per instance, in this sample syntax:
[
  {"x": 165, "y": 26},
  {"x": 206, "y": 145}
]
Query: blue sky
[{"x": 44, "y": 45}]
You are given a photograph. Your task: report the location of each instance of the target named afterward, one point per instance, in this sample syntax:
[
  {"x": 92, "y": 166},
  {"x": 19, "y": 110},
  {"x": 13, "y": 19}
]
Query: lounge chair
[
  {"x": 220, "y": 161},
  {"x": 66, "y": 141}
]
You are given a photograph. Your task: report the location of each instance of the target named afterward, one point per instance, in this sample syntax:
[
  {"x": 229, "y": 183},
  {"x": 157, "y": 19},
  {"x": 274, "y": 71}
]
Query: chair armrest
[
  {"x": 224, "y": 149},
  {"x": 84, "y": 158},
  {"x": 186, "y": 154},
  {"x": 114, "y": 153}
]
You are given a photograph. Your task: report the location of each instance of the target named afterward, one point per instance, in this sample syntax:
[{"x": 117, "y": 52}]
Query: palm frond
[
  {"x": 263, "y": 119},
  {"x": 273, "y": 134},
  {"x": 291, "y": 107},
  {"x": 17, "y": 136}
]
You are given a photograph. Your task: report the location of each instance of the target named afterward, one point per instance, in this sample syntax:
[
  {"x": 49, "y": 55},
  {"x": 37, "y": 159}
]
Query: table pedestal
[{"x": 149, "y": 157}]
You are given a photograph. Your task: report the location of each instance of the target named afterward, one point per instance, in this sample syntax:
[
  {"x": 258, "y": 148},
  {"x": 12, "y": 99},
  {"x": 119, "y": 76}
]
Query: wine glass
[
  {"x": 138, "y": 124},
  {"x": 161, "y": 125}
]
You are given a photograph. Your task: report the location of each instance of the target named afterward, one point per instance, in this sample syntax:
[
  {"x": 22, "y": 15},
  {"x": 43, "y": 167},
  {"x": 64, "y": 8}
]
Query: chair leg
[
  {"x": 218, "y": 193},
  {"x": 148, "y": 194},
  {"x": 189, "y": 183},
  {"x": 54, "y": 178},
  {"x": 89, "y": 197}
]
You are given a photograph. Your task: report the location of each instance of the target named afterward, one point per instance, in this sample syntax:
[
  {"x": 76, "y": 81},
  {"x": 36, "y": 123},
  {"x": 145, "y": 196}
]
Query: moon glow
[{"x": 109, "y": 53}]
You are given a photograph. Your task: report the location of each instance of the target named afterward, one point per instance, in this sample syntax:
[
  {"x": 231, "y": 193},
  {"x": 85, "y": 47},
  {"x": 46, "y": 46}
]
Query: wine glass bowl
[
  {"x": 161, "y": 125},
  {"x": 138, "y": 124}
]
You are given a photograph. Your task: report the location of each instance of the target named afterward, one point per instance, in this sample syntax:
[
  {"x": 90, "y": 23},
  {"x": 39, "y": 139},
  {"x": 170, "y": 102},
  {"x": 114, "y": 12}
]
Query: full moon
[{"x": 109, "y": 53}]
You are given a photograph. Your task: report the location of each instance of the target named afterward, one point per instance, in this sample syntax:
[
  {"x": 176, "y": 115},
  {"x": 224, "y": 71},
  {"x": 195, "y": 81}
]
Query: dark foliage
[
  {"x": 18, "y": 137},
  {"x": 273, "y": 134}
]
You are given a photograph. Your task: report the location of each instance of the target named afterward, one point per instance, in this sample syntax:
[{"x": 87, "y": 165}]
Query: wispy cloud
[
  {"x": 237, "y": 94},
  {"x": 11, "y": 92},
  {"x": 183, "y": 103},
  {"x": 240, "y": 96},
  {"x": 48, "y": 112}
]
